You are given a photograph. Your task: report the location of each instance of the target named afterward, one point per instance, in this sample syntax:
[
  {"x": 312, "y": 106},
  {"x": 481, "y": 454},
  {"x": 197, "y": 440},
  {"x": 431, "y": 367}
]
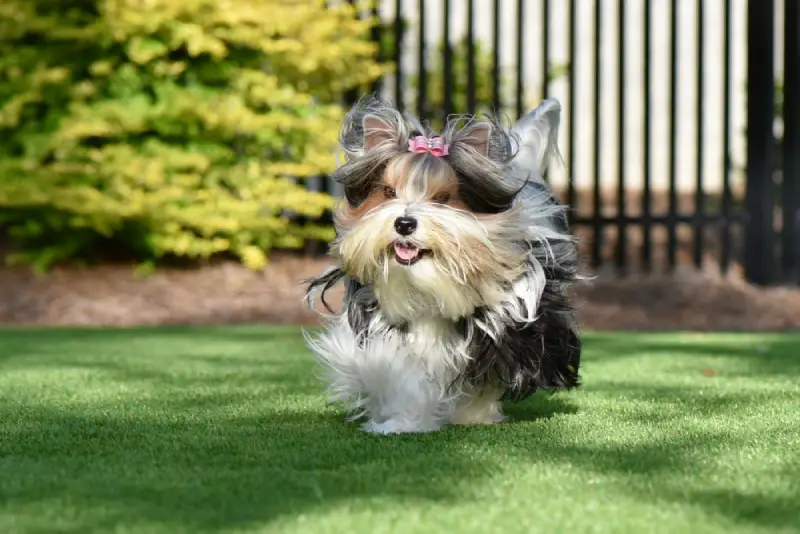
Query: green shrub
[{"x": 170, "y": 127}]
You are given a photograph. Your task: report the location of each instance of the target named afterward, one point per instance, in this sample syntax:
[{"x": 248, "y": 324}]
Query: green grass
[{"x": 226, "y": 430}]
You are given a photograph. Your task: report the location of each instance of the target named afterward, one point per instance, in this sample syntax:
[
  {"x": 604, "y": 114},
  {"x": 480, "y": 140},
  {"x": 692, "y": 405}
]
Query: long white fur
[
  {"x": 404, "y": 381},
  {"x": 399, "y": 381}
]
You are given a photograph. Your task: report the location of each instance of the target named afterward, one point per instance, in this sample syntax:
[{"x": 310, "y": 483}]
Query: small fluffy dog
[{"x": 456, "y": 260}]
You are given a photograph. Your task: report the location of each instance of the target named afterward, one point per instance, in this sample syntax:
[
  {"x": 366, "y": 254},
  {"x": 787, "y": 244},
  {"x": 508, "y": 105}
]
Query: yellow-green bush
[{"x": 170, "y": 127}]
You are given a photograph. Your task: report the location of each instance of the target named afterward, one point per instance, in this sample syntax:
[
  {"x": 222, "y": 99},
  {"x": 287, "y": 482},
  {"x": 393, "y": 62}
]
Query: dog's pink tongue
[{"x": 405, "y": 252}]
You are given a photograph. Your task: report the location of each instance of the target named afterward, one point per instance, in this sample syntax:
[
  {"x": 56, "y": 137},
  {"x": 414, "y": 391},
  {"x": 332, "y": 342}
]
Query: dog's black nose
[{"x": 405, "y": 225}]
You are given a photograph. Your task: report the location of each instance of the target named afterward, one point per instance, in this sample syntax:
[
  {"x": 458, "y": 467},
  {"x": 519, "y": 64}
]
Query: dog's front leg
[
  {"x": 380, "y": 379},
  {"x": 404, "y": 400}
]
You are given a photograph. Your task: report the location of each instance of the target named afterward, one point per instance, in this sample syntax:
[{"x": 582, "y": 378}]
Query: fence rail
[{"x": 660, "y": 99}]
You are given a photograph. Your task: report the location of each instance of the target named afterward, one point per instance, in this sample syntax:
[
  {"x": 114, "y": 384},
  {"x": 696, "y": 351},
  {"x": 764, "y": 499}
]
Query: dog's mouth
[{"x": 407, "y": 253}]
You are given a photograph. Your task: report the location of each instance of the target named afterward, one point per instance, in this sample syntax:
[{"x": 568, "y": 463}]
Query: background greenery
[
  {"x": 183, "y": 129},
  {"x": 179, "y": 128}
]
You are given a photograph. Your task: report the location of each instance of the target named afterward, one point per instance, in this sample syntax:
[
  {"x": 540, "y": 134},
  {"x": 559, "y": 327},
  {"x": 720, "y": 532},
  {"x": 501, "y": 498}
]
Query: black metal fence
[{"x": 506, "y": 55}]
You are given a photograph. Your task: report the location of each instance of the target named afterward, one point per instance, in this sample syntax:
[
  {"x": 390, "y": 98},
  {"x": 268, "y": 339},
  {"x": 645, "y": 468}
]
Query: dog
[{"x": 456, "y": 260}]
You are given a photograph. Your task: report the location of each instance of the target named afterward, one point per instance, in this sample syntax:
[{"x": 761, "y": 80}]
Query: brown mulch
[{"x": 225, "y": 293}]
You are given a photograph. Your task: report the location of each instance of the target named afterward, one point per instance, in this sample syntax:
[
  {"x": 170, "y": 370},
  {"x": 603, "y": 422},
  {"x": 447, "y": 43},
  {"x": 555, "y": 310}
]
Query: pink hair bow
[{"x": 434, "y": 145}]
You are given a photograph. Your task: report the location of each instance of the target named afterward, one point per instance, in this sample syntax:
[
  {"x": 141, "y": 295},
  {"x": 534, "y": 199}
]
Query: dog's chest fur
[{"x": 436, "y": 345}]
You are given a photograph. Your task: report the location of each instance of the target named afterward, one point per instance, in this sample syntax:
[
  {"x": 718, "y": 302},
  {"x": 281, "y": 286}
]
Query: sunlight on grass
[{"x": 226, "y": 430}]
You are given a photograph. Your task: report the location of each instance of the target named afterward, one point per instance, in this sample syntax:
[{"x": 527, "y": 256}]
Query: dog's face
[{"x": 431, "y": 238}]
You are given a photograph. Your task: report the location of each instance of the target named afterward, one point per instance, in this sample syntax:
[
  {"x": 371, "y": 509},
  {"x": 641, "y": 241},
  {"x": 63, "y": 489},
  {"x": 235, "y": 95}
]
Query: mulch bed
[{"x": 225, "y": 293}]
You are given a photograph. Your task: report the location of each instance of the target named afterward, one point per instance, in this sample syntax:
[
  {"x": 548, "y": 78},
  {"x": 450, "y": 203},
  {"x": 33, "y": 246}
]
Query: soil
[{"x": 225, "y": 293}]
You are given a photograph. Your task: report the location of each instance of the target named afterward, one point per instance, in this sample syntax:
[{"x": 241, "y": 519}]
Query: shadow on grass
[
  {"x": 189, "y": 463},
  {"x": 206, "y": 448},
  {"x": 220, "y": 473}
]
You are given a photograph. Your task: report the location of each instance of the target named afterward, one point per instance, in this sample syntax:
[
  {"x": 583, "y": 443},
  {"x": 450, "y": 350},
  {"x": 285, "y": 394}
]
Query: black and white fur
[{"x": 419, "y": 347}]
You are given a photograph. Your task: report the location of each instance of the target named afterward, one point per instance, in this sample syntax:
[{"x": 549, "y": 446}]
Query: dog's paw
[
  {"x": 397, "y": 426},
  {"x": 498, "y": 418},
  {"x": 486, "y": 419},
  {"x": 480, "y": 414}
]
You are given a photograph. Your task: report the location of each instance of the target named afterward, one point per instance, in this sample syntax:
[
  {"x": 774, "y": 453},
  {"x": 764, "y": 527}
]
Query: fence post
[
  {"x": 759, "y": 261},
  {"x": 790, "y": 198}
]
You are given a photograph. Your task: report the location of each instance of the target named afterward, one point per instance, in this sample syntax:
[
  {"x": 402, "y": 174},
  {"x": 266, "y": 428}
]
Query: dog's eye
[
  {"x": 442, "y": 198},
  {"x": 389, "y": 192}
]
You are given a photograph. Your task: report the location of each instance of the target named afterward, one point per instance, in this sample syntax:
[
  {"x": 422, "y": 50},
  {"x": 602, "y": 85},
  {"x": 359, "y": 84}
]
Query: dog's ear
[
  {"x": 537, "y": 133},
  {"x": 477, "y": 136},
  {"x": 376, "y": 132}
]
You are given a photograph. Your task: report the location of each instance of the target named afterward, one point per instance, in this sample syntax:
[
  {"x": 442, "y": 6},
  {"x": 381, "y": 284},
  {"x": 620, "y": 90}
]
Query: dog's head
[{"x": 430, "y": 220}]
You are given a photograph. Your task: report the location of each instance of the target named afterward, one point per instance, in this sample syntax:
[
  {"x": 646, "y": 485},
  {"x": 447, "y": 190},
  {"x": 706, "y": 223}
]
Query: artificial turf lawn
[{"x": 226, "y": 430}]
